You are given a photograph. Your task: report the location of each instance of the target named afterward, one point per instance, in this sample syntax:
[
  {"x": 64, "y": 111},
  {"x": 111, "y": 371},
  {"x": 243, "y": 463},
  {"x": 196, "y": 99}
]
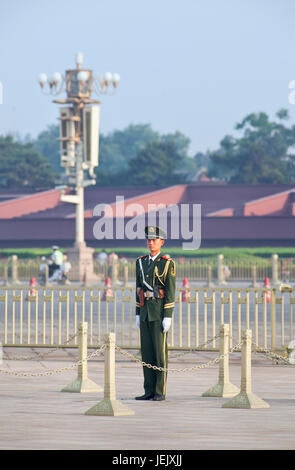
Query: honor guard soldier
[{"x": 155, "y": 298}]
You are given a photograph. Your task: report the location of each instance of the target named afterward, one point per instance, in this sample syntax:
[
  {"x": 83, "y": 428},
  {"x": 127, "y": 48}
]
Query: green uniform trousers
[{"x": 154, "y": 351}]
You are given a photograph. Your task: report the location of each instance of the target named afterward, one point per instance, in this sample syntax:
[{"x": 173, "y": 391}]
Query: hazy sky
[{"x": 197, "y": 66}]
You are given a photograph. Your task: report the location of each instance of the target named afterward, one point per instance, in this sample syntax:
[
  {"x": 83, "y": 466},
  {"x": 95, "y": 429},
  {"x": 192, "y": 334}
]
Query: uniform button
[{"x": 147, "y": 275}]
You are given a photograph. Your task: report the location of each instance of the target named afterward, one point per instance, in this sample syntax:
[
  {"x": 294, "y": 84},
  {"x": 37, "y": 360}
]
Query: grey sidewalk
[{"x": 35, "y": 414}]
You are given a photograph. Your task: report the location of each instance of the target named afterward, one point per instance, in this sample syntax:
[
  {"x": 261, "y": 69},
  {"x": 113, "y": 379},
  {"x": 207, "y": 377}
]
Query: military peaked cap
[{"x": 154, "y": 232}]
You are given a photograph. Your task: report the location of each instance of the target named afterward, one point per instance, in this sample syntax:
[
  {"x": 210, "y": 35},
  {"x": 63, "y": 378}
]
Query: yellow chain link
[
  {"x": 192, "y": 350},
  {"x": 187, "y": 369},
  {"x": 54, "y": 371},
  {"x": 38, "y": 355},
  {"x": 268, "y": 352}
]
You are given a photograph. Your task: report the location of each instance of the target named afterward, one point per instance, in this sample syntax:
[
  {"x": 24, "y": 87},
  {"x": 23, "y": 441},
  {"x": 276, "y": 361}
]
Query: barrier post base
[
  {"x": 246, "y": 400},
  {"x": 82, "y": 385},
  {"x": 108, "y": 407},
  {"x": 222, "y": 390}
]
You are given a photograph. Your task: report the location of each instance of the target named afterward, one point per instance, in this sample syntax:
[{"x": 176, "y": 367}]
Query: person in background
[
  {"x": 102, "y": 257},
  {"x": 57, "y": 261}
]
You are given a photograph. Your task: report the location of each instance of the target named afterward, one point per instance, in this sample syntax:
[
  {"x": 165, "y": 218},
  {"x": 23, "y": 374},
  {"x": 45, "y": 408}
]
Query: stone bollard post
[
  {"x": 14, "y": 270},
  {"x": 115, "y": 269},
  {"x": 46, "y": 274},
  {"x": 254, "y": 276},
  {"x": 109, "y": 406},
  {"x": 126, "y": 275},
  {"x": 6, "y": 275},
  {"x": 246, "y": 399},
  {"x": 275, "y": 271},
  {"x": 220, "y": 271},
  {"x": 82, "y": 384},
  {"x": 210, "y": 282},
  {"x": 223, "y": 388}
]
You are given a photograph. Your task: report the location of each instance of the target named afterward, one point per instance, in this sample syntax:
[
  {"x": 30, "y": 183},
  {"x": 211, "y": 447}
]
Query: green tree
[
  {"x": 47, "y": 144},
  {"x": 263, "y": 154},
  {"x": 187, "y": 166},
  {"x": 117, "y": 149},
  {"x": 21, "y": 166},
  {"x": 155, "y": 164}
]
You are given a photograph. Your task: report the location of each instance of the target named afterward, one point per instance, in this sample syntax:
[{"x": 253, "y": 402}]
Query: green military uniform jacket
[{"x": 161, "y": 273}]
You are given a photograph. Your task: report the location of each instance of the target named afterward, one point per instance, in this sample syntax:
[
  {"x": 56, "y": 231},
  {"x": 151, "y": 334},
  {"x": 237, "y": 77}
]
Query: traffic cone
[
  {"x": 185, "y": 294},
  {"x": 32, "y": 284},
  {"x": 107, "y": 292},
  {"x": 266, "y": 285},
  {"x": 32, "y": 292}
]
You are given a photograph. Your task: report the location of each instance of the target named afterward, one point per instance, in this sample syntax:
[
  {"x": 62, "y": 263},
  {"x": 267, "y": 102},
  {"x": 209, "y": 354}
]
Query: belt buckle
[{"x": 147, "y": 294}]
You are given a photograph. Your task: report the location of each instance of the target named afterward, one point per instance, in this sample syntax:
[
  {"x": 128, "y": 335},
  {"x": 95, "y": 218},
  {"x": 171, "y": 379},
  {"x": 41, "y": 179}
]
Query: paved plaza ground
[{"x": 36, "y": 415}]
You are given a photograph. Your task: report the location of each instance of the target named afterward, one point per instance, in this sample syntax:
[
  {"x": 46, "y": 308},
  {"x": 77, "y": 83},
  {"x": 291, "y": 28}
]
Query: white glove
[
  {"x": 137, "y": 319},
  {"x": 166, "y": 324}
]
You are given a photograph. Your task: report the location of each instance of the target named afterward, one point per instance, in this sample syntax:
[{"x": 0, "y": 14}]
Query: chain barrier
[
  {"x": 54, "y": 371},
  {"x": 187, "y": 369},
  {"x": 275, "y": 358},
  {"x": 193, "y": 350},
  {"x": 267, "y": 352},
  {"x": 40, "y": 355}
]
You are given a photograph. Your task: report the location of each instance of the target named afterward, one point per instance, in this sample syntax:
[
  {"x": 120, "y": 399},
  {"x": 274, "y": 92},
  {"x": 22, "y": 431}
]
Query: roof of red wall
[
  {"x": 27, "y": 204},
  {"x": 216, "y": 199}
]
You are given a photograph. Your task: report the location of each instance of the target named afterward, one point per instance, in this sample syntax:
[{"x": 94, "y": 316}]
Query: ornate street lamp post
[{"x": 79, "y": 142}]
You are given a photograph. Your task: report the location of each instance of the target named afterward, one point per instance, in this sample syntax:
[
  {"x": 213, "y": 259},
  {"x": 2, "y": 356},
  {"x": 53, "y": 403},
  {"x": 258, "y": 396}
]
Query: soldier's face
[{"x": 154, "y": 245}]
